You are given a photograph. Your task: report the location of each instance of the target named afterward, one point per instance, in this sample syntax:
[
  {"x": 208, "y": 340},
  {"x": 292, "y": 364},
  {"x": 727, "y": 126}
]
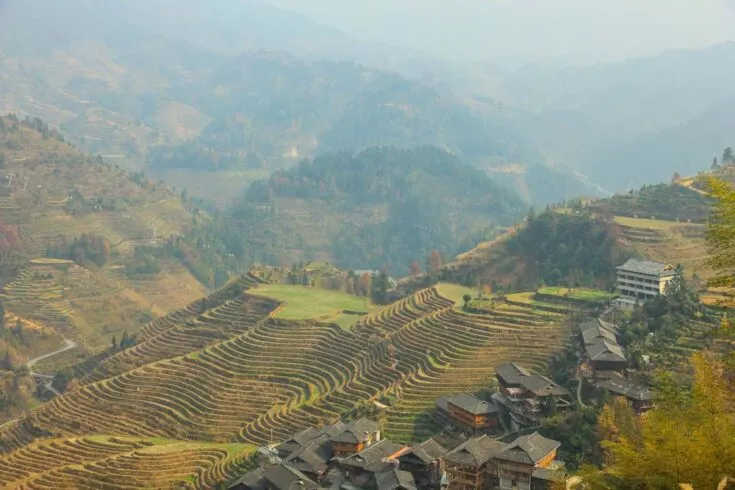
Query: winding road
[{"x": 68, "y": 345}]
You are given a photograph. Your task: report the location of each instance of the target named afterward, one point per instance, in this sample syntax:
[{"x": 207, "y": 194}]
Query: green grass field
[
  {"x": 455, "y": 292},
  {"x": 584, "y": 294},
  {"x": 656, "y": 224},
  {"x": 304, "y": 303}
]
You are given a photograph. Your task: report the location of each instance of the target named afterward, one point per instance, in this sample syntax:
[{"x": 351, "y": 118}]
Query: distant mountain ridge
[
  {"x": 382, "y": 206},
  {"x": 148, "y": 89},
  {"x": 630, "y": 123}
]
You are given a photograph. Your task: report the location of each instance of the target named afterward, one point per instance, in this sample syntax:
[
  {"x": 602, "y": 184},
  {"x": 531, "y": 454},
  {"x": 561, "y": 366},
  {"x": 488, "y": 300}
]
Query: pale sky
[{"x": 573, "y": 30}]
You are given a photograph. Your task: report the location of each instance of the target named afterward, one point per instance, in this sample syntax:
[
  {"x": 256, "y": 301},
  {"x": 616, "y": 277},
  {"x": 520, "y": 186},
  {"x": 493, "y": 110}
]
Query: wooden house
[
  {"x": 640, "y": 398},
  {"x": 529, "y": 396},
  {"x": 355, "y": 437},
  {"x": 471, "y": 466},
  {"x": 394, "y": 478},
  {"x": 278, "y": 477},
  {"x": 424, "y": 462},
  {"x": 360, "y": 468},
  {"x": 312, "y": 459},
  {"x": 299, "y": 439},
  {"x": 603, "y": 352},
  {"x": 524, "y": 463},
  {"x": 470, "y": 413}
]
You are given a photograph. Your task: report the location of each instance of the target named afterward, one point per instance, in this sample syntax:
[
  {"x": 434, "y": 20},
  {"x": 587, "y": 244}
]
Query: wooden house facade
[{"x": 425, "y": 462}]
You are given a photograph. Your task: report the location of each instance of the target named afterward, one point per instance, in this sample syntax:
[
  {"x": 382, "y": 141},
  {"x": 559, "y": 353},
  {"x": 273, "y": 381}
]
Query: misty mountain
[
  {"x": 648, "y": 117},
  {"x": 383, "y": 205}
]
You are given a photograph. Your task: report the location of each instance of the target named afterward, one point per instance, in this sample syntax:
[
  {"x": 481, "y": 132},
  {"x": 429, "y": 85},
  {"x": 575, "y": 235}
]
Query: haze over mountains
[{"x": 213, "y": 96}]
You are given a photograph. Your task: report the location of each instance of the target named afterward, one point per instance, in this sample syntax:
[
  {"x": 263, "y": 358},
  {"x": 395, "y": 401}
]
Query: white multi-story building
[{"x": 641, "y": 280}]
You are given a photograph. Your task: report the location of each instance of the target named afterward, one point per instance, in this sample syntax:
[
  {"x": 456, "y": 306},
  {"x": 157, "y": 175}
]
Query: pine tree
[{"x": 728, "y": 156}]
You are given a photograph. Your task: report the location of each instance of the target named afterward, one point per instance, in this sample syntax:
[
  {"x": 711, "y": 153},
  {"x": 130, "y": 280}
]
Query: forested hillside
[
  {"x": 671, "y": 202},
  {"x": 383, "y": 206},
  {"x": 580, "y": 242},
  {"x": 565, "y": 249}
]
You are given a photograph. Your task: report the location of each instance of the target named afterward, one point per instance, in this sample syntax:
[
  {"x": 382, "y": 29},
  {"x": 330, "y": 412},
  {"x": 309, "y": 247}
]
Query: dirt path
[
  {"x": 48, "y": 379},
  {"x": 68, "y": 345}
]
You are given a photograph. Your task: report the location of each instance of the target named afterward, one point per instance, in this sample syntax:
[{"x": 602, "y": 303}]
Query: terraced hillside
[
  {"x": 50, "y": 195},
  {"x": 666, "y": 241},
  {"x": 227, "y": 370},
  {"x": 664, "y": 223},
  {"x": 116, "y": 462}
]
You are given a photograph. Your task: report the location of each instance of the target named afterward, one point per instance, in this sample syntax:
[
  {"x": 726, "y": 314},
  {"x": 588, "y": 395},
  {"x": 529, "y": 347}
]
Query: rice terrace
[{"x": 230, "y": 370}]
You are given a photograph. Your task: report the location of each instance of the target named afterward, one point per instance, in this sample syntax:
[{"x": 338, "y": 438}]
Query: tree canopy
[{"x": 721, "y": 233}]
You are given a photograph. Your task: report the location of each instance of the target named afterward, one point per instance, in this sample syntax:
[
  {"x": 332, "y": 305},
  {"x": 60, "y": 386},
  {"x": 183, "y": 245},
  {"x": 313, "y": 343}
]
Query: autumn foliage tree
[
  {"x": 434, "y": 262},
  {"x": 688, "y": 438},
  {"x": 415, "y": 268},
  {"x": 364, "y": 284}
]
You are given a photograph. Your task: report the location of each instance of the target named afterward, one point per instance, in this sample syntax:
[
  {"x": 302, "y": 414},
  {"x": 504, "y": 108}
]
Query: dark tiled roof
[
  {"x": 528, "y": 449},
  {"x": 428, "y": 451},
  {"x": 443, "y": 403},
  {"x": 284, "y": 477},
  {"x": 647, "y": 267},
  {"x": 297, "y": 440},
  {"x": 542, "y": 386},
  {"x": 603, "y": 350},
  {"x": 596, "y": 329},
  {"x": 475, "y": 452},
  {"x": 395, "y": 479},
  {"x": 312, "y": 457},
  {"x": 333, "y": 430},
  {"x": 609, "y": 326},
  {"x": 373, "y": 454},
  {"x": 356, "y": 431},
  {"x": 254, "y": 480},
  {"x": 472, "y": 404},
  {"x": 625, "y": 387},
  {"x": 511, "y": 372}
]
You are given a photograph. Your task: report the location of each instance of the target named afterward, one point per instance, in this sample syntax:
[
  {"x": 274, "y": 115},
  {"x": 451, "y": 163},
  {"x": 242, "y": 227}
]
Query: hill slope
[
  {"x": 582, "y": 244},
  {"x": 72, "y": 234},
  {"x": 227, "y": 370},
  {"x": 383, "y": 206}
]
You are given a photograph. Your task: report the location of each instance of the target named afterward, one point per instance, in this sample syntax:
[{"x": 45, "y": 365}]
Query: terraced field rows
[
  {"x": 235, "y": 373},
  {"x": 463, "y": 351},
  {"x": 38, "y": 233},
  {"x": 101, "y": 462},
  {"x": 185, "y": 330},
  {"x": 39, "y": 297}
]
